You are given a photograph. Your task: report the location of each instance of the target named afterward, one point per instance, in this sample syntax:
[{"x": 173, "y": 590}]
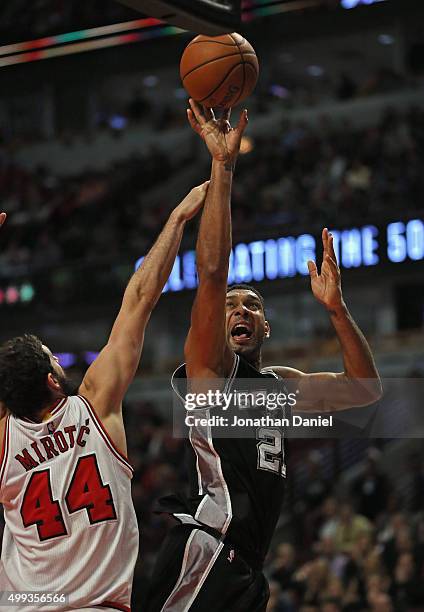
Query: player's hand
[
  {"x": 2, "y": 218},
  {"x": 193, "y": 202},
  {"x": 326, "y": 285},
  {"x": 222, "y": 140}
]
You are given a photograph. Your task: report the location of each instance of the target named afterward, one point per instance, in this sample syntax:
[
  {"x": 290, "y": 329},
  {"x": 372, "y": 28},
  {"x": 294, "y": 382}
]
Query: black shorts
[{"x": 196, "y": 572}]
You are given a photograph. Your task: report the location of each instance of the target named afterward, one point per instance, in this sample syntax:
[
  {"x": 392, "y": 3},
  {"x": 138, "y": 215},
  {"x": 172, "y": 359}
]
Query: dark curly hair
[{"x": 24, "y": 367}]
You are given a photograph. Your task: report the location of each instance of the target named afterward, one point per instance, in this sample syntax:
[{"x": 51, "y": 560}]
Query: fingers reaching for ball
[
  {"x": 225, "y": 120},
  {"x": 198, "y": 115},
  {"x": 193, "y": 122},
  {"x": 208, "y": 113},
  {"x": 221, "y": 139},
  {"x": 243, "y": 121},
  {"x": 226, "y": 115}
]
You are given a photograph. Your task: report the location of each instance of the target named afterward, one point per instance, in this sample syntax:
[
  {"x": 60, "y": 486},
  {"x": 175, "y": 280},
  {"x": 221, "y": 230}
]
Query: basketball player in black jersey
[{"x": 213, "y": 559}]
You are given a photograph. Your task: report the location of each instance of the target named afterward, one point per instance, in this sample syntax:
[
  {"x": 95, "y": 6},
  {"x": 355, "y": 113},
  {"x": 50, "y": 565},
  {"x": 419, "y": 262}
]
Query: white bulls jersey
[{"x": 70, "y": 525}]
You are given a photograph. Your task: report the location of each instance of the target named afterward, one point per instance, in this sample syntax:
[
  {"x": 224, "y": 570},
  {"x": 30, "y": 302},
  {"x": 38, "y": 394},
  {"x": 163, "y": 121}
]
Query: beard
[{"x": 68, "y": 385}]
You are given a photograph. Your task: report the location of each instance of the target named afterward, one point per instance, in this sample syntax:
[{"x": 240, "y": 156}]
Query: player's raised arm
[
  {"x": 206, "y": 350},
  {"x": 359, "y": 384},
  {"x": 108, "y": 378}
]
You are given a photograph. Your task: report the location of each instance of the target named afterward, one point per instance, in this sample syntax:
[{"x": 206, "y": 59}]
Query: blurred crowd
[
  {"x": 355, "y": 553},
  {"x": 299, "y": 176},
  {"x": 54, "y": 221},
  {"x": 333, "y": 173},
  {"x": 355, "y": 547}
]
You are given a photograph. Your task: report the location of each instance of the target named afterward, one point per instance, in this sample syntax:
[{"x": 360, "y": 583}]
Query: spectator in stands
[
  {"x": 299, "y": 175},
  {"x": 371, "y": 487},
  {"x": 377, "y": 585},
  {"x": 392, "y": 524},
  {"x": 350, "y": 527},
  {"x": 331, "y": 605},
  {"x": 328, "y": 518},
  {"x": 407, "y": 589},
  {"x": 414, "y": 474},
  {"x": 283, "y": 566},
  {"x": 311, "y": 581},
  {"x": 316, "y": 487},
  {"x": 275, "y": 603},
  {"x": 381, "y": 602},
  {"x": 401, "y": 542}
]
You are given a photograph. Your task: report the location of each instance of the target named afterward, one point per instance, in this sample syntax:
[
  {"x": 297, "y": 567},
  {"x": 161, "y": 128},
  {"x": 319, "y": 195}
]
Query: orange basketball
[{"x": 219, "y": 71}]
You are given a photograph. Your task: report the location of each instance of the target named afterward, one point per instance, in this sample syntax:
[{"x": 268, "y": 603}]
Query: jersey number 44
[{"x": 86, "y": 491}]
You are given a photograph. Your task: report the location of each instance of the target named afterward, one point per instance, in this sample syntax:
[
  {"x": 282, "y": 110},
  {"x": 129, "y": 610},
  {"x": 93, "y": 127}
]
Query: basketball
[{"x": 220, "y": 71}]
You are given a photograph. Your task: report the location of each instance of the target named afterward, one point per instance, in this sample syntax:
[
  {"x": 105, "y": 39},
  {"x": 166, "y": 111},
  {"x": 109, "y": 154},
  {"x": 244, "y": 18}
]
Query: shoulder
[
  {"x": 283, "y": 371},
  {"x": 230, "y": 370}
]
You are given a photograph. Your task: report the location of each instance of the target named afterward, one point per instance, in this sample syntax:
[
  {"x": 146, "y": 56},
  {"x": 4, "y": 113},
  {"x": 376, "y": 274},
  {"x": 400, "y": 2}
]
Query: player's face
[
  {"x": 57, "y": 368},
  {"x": 246, "y": 323},
  {"x": 67, "y": 385}
]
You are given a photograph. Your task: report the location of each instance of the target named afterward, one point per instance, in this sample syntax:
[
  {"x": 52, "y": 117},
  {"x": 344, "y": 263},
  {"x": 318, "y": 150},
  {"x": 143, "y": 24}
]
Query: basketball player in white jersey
[{"x": 70, "y": 527}]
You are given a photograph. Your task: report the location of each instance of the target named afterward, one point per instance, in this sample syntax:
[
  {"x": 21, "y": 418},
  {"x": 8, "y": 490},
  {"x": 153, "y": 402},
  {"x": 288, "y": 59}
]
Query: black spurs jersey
[{"x": 236, "y": 483}]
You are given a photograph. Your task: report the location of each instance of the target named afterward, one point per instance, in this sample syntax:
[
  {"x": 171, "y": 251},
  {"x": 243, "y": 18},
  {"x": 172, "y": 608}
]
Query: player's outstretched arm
[
  {"x": 359, "y": 384},
  {"x": 206, "y": 351},
  {"x": 108, "y": 378}
]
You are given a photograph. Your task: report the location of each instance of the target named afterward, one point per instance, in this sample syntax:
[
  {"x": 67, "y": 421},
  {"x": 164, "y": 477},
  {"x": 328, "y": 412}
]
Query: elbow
[
  {"x": 362, "y": 392},
  {"x": 378, "y": 389},
  {"x": 374, "y": 389},
  {"x": 378, "y": 392},
  {"x": 371, "y": 391}
]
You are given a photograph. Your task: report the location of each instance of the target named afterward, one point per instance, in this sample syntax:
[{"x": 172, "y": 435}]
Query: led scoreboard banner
[
  {"x": 211, "y": 17},
  {"x": 287, "y": 256}
]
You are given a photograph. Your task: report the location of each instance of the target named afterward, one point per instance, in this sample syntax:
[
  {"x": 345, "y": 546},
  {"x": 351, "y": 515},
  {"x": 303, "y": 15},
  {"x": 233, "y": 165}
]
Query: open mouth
[{"x": 241, "y": 332}]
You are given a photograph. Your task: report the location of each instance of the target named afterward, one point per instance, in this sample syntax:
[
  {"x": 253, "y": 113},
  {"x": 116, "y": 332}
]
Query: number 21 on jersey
[{"x": 271, "y": 451}]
